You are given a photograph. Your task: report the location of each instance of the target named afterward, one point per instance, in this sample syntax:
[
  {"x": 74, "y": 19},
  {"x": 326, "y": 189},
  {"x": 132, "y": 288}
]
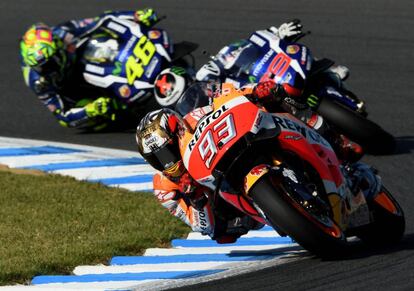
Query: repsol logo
[
  {"x": 203, "y": 221},
  {"x": 203, "y": 124},
  {"x": 288, "y": 124}
]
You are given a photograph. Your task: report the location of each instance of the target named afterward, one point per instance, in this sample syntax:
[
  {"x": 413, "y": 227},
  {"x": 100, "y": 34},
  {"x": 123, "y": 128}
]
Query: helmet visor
[
  {"x": 164, "y": 158},
  {"x": 53, "y": 64}
]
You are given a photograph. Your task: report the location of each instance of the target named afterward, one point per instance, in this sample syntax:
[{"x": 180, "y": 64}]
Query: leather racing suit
[{"x": 73, "y": 101}]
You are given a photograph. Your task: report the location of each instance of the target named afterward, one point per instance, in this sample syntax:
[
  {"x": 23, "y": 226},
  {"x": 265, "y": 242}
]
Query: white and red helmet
[{"x": 170, "y": 84}]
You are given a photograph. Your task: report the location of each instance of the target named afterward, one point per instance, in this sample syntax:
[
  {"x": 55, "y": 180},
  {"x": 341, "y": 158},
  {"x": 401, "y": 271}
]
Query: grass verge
[{"x": 49, "y": 224}]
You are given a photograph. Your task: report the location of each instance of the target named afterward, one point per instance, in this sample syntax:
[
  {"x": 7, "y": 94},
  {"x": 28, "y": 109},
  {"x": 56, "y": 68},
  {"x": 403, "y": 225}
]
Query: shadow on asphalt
[
  {"x": 359, "y": 250},
  {"x": 405, "y": 144}
]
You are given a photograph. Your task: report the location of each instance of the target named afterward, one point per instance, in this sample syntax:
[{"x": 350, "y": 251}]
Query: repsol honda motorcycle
[
  {"x": 275, "y": 169},
  {"x": 264, "y": 56}
]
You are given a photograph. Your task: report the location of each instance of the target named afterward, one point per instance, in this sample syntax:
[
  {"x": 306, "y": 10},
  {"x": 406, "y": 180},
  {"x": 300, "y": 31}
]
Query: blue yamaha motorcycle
[
  {"x": 264, "y": 56},
  {"x": 122, "y": 60}
]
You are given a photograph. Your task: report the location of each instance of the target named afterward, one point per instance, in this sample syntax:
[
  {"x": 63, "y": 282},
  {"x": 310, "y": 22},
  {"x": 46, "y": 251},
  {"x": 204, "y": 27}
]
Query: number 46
[{"x": 142, "y": 54}]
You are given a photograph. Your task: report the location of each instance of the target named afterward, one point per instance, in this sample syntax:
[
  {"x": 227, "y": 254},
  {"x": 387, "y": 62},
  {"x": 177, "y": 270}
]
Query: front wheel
[
  {"x": 317, "y": 233},
  {"x": 368, "y": 134}
]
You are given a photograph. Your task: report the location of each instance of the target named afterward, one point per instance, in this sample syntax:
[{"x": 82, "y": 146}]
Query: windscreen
[{"x": 196, "y": 96}]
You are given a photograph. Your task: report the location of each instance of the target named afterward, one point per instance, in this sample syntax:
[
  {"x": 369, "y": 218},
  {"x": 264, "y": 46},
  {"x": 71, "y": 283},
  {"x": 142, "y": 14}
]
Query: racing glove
[
  {"x": 268, "y": 91},
  {"x": 192, "y": 192},
  {"x": 288, "y": 29},
  {"x": 99, "y": 107},
  {"x": 186, "y": 184},
  {"x": 146, "y": 16}
]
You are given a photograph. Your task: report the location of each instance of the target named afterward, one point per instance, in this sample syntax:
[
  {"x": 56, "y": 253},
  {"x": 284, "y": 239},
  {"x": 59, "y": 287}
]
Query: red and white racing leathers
[{"x": 200, "y": 219}]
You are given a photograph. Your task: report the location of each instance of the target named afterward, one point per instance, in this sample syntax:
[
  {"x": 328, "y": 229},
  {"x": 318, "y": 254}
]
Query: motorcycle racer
[
  {"x": 157, "y": 138},
  {"x": 52, "y": 69},
  {"x": 224, "y": 62}
]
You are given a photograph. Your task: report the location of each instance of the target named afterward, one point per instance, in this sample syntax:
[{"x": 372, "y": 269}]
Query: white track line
[
  {"x": 217, "y": 250},
  {"x": 25, "y": 161},
  {"x": 200, "y": 266},
  {"x": 252, "y": 233},
  {"x": 136, "y": 187},
  {"x": 105, "y": 153},
  {"x": 106, "y": 172},
  {"x": 90, "y": 286}
]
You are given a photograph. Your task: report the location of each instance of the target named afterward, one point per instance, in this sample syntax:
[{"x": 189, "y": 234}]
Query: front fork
[
  {"x": 348, "y": 209},
  {"x": 300, "y": 196},
  {"x": 304, "y": 194},
  {"x": 250, "y": 180}
]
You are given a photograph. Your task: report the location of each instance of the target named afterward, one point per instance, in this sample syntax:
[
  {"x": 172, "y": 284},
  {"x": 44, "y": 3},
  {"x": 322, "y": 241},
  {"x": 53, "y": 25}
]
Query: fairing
[
  {"x": 268, "y": 57},
  {"x": 232, "y": 118},
  {"x": 125, "y": 59}
]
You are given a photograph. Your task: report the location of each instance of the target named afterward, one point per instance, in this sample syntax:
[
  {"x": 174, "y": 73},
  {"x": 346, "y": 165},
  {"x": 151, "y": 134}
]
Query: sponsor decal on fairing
[
  {"x": 263, "y": 61},
  {"x": 124, "y": 91},
  {"x": 95, "y": 69},
  {"x": 289, "y": 125},
  {"x": 154, "y": 34},
  {"x": 116, "y": 27},
  {"x": 292, "y": 49}
]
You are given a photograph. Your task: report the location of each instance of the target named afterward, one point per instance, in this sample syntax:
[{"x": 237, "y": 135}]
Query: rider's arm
[
  {"x": 78, "y": 28},
  {"x": 68, "y": 117},
  {"x": 218, "y": 67},
  {"x": 287, "y": 30},
  {"x": 212, "y": 70},
  {"x": 200, "y": 219},
  {"x": 268, "y": 94}
]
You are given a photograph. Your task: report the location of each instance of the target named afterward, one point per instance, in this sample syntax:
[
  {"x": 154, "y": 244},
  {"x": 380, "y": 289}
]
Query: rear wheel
[
  {"x": 368, "y": 134},
  {"x": 315, "y": 232},
  {"x": 389, "y": 222}
]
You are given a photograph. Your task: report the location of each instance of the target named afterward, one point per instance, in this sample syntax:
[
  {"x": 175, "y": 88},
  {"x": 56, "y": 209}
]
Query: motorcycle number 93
[
  {"x": 222, "y": 133},
  {"x": 142, "y": 54}
]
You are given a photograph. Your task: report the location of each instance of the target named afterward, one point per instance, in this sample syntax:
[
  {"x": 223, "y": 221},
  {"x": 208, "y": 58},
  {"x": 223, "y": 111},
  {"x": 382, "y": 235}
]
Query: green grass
[{"x": 50, "y": 224}]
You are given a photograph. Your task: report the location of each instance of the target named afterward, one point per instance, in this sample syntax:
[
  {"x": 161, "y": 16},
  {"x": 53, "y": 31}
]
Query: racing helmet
[
  {"x": 170, "y": 84},
  {"x": 157, "y": 141},
  {"x": 41, "y": 51}
]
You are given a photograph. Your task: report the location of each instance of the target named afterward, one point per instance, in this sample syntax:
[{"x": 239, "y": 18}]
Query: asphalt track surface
[{"x": 375, "y": 39}]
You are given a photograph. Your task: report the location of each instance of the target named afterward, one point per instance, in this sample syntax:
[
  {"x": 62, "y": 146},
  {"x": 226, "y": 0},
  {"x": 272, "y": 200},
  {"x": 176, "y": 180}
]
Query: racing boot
[{"x": 236, "y": 228}]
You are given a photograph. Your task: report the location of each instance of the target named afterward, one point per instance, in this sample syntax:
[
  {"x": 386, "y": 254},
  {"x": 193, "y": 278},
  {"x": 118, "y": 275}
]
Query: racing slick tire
[
  {"x": 368, "y": 134},
  {"x": 320, "y": 236}
]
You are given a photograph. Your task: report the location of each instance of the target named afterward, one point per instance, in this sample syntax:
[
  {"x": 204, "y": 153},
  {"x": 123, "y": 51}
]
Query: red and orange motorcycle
[{"x": 278, "y": 171}]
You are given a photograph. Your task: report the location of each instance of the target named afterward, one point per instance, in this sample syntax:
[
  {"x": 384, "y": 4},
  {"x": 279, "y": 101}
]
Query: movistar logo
[{"x": 118, "y": 69}]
